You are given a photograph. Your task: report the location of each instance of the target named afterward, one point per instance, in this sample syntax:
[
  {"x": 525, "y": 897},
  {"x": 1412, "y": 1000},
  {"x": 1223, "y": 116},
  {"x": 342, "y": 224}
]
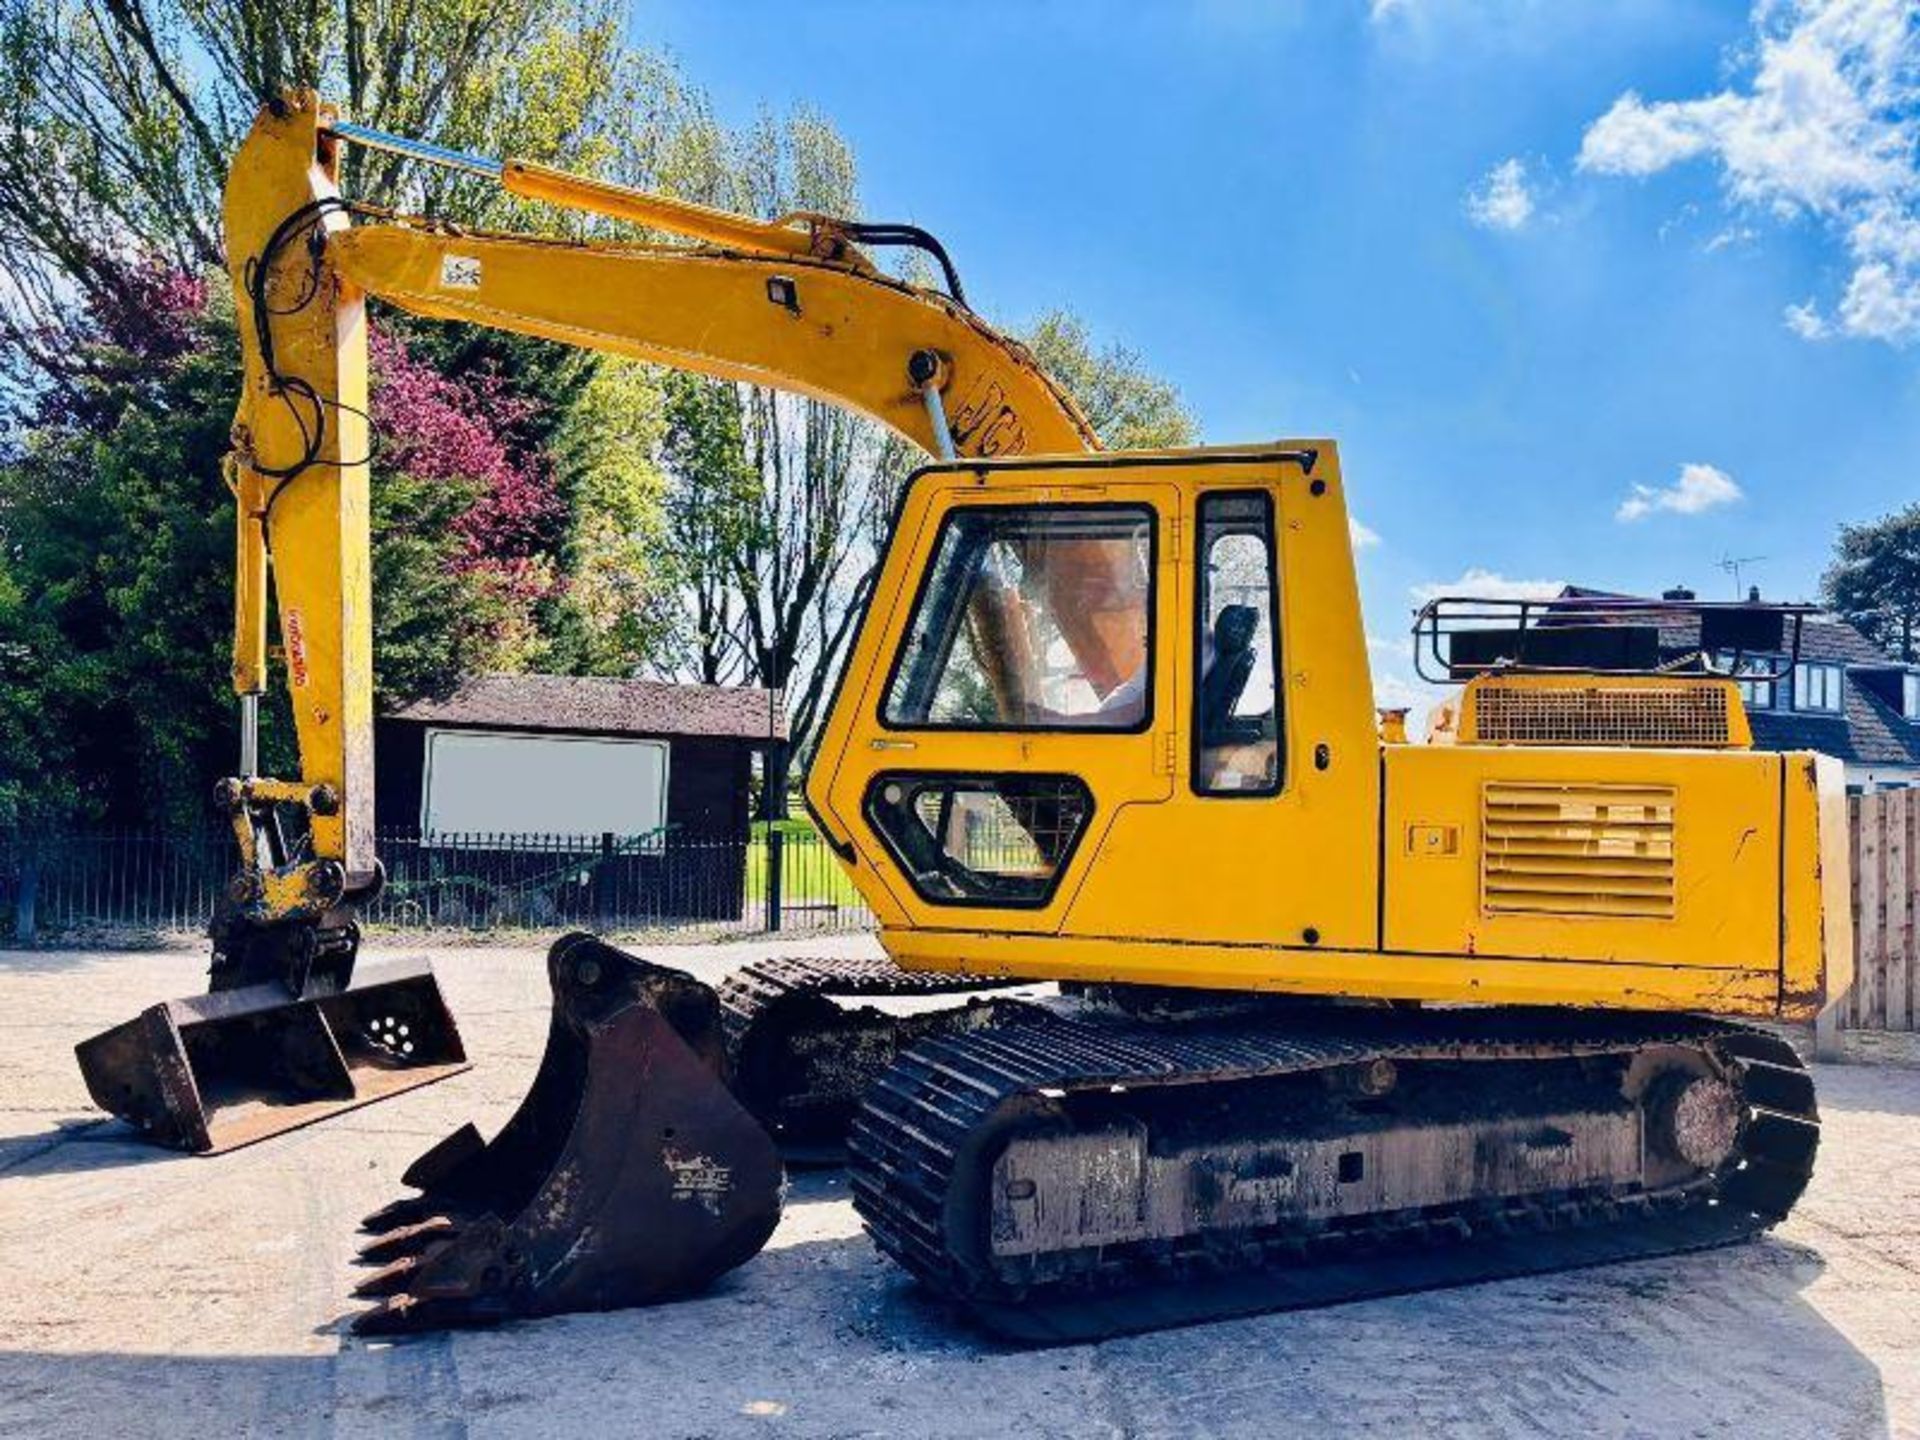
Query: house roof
[
  {"x": 594, "y": 705},
  {"x": 1870, "y": 732},
  {"x": 1679, "y": 630},
  {"x": 1829, "y": 638}
]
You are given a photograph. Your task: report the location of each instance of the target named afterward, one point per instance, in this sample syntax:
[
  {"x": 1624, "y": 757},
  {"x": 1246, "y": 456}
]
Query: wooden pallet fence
[{"x": 1885, "y": 845}]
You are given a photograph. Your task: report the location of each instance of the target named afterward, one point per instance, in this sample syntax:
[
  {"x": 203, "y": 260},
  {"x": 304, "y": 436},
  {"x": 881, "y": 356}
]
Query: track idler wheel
[{"x": 628, "y": 1175}]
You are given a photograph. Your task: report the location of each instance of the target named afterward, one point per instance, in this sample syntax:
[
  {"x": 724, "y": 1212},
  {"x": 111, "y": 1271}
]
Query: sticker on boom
[{"x": 459, "y": 272}]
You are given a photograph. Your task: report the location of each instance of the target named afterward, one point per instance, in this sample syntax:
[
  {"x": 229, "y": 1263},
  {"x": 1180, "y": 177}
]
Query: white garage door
[{"x": 518, "y": 784}]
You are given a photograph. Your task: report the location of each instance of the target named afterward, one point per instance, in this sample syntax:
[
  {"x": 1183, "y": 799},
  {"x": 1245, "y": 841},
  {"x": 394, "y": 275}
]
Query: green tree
[
  {"x": 1128, "y": 406},
  {"x": 37, "y": 782},
  {"x": 614, "y": 613},
  {"x": 712, "y": 504},
  {"x": 118, "y": 117},
  {"x": 116, "y": 554},
  {"x": 433, "y": 624},
  {"x": 1874, "y": 580}
]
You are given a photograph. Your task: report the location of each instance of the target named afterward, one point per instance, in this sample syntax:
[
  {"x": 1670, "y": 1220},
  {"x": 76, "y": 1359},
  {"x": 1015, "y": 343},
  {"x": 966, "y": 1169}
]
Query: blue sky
[{"x": 1595, "y": 290}]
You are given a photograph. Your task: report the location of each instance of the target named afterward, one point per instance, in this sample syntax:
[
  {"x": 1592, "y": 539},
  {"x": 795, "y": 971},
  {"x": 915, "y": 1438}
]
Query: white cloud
[
  {"x": 1882, "y": 302},
  {"x": 1697, "y": 488},
  {"x": 1398, "y": 647},
  {"x": 1732, "y": 235},
  {"x": 1386, "y": 9},
  {"x": 1804, "y": 320},
  {"x": 1502, "y": 199},
  {"x": 1488, "y": 585},
  {"x": 1828, "y": 124},
  {"x": 1634, "y": 138},
  {"x": 1363, "y": 537}
]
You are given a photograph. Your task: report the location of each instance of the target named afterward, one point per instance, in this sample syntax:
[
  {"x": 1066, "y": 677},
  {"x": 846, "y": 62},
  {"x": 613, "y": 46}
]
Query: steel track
[{"x": 919, "y": 1150}]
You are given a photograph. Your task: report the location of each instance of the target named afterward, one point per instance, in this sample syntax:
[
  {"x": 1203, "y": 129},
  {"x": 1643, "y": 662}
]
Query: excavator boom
[{"x": 784, "y": 305}]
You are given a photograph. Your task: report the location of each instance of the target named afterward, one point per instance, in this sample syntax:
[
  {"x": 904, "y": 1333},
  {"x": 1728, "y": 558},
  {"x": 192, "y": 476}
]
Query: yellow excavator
[{"x": 1337, "y": 1014}]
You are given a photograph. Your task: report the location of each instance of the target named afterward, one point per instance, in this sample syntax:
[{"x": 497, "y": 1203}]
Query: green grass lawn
[{"x": 810, "y": 873}]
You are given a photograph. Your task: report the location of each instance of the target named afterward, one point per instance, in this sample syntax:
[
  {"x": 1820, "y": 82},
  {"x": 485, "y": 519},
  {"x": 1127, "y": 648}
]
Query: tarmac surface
[{"x": 150, "y": 1293}]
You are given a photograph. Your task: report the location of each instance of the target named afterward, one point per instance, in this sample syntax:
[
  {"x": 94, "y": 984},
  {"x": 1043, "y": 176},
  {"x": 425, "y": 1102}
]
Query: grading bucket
[{"x": 214, "y": 1072}]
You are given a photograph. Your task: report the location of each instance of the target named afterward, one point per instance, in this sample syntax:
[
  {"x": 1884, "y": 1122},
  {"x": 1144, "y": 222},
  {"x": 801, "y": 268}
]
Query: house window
[
  {"x": 1816, "y": 687},
  {"x": 1754, "y": 694},
  {"x": 1910, "y": 695}
]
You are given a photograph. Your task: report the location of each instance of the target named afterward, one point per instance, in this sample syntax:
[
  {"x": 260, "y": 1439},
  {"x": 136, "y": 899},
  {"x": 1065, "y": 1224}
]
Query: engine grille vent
[
  {"x": 1594, "y": 850},
  {"x": 1516, "y": 713}
]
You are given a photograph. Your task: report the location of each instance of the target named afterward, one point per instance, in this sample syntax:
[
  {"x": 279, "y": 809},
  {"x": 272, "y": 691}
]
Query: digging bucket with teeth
[
  {"x": 628, "y": 1175},
  {"x": 213, "y": 1072}
]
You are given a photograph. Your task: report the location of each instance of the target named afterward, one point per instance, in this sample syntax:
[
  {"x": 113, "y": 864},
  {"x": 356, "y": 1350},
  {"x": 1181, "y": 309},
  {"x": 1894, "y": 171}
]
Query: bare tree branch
[{"x": 132, "y": 18}]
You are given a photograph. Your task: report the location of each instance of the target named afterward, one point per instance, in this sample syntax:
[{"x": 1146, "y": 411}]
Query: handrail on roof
[{"x": 1606, "y": 635}]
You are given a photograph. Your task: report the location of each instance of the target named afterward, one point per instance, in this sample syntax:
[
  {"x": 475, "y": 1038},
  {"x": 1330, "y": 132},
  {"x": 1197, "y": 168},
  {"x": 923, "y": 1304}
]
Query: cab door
[
  {"x": 1270, "y": 838},
  {"x": 1008, "y": 694}
]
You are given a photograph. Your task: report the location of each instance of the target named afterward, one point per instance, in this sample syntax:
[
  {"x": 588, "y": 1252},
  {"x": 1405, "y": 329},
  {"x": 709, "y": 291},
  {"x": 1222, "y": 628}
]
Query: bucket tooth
[
  {"x": 445, "y": 1161},
  {"x": 413, "y": 1240},
  {"x": 407, "y": 1315},
  {"x": 392, "y": 1280},
  {"x": 437, "y": 1174},
  {"x": 213, "y": 1072},
  {"x": 629, "y": 1139},
  {"x": 409, "y": 1211}
]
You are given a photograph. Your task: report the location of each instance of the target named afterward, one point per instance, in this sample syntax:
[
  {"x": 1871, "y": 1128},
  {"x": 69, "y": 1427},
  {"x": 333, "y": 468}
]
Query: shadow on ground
[
  {"x": 66, "y": 958},
  {"x": 826, "y": 1339},
  {"x": 81, "y": 1143}
]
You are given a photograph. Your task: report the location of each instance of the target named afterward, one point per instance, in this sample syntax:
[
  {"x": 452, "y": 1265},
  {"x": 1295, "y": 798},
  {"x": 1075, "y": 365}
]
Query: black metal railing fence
[{"x": 69, "y": 885}]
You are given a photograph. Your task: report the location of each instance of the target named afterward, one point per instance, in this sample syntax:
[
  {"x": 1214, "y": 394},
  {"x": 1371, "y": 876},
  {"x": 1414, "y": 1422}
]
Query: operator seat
[{"x": 1226, "y": 678}]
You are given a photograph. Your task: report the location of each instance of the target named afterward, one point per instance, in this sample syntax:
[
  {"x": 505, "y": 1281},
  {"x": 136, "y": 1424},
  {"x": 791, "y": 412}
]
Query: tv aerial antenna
[{"x": 1731, "y": 564}]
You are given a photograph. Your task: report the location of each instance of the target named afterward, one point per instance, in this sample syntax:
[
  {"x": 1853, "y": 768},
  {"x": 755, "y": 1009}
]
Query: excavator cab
[{"x": 1098, "y": 696}]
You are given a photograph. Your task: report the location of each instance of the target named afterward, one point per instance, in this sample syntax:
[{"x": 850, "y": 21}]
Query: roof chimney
[
  {"x": 1678, "y": 592},
  {"x": 1753, "y": 594}
]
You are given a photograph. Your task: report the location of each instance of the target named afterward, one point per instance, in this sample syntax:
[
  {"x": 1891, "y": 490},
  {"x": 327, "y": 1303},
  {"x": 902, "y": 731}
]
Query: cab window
[
  {"x": 1236, "y": 730},
  {"x": 997, "y": 840},
  {"x": 1032, "y": 618}
]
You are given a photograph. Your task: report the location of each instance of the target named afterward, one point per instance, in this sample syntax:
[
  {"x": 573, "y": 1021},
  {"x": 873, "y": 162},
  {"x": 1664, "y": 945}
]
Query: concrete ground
[{"x": 152, "y": 1293}]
